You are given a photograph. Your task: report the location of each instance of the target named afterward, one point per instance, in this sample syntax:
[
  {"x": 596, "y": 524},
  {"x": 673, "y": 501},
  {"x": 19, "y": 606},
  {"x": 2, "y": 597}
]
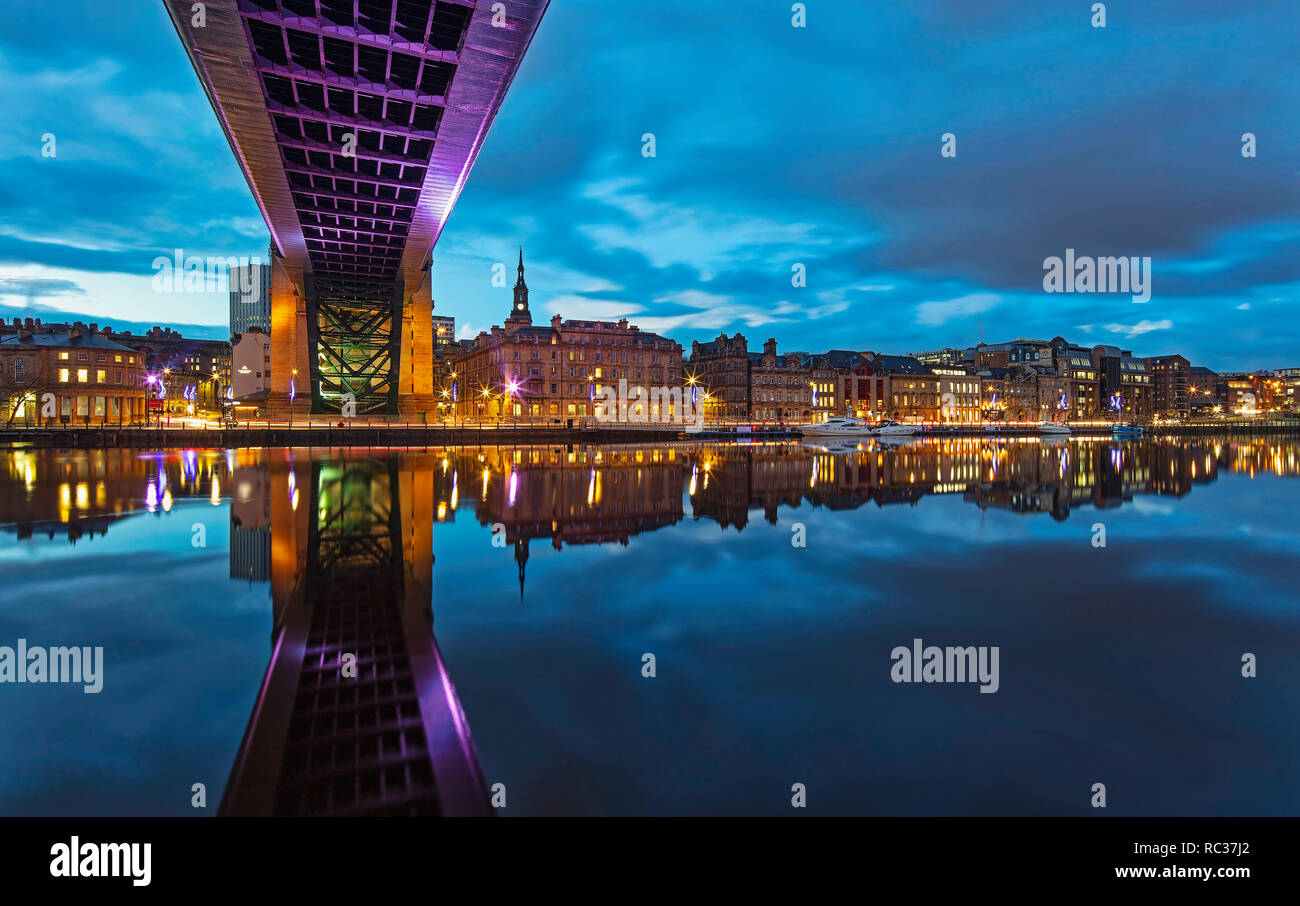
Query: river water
[{"x": 684, "y": 628}]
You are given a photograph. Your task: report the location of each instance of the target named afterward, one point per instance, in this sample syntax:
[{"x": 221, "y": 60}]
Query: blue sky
[{"x": 775, "y": 146}]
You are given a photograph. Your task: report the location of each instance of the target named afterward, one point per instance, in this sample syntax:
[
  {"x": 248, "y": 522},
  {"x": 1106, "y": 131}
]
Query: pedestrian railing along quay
[{"x": 372, "y": 432}]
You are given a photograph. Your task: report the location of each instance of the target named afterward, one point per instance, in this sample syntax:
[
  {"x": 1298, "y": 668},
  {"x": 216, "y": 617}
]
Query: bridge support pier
[
  {"x": 415, "y": 398},
  {"x": 289, "y": 349}
]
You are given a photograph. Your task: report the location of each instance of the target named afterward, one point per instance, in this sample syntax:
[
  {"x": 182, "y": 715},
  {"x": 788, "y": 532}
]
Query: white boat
[
  {"x": 1053, "y": 428},
  {"x": 891, "y": 428},
  {"x": 838, "y": 426},
  {"x": 837, "y": 445}
]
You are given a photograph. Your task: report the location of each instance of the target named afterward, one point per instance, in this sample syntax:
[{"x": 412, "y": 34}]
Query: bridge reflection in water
[
  {"x": 351, "y": 559},
  {"x": 346, "y": 539},
  {"x": 351, "y": 575}
]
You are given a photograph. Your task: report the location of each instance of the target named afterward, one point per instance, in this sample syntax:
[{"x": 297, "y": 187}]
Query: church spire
[
  {"x": 521, "y": 558},
  {"x": 520, "y": 316}
]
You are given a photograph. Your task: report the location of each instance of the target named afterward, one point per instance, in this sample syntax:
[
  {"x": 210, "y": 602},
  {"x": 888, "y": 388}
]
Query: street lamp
[{"x": 512, "y": 388}]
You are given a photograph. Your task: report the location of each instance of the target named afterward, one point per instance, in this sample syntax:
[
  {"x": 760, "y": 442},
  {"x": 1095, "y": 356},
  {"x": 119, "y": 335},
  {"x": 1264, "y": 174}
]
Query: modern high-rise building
[
  {"x": 444, "y": 334},
  {"x": 250, "y": 297}
]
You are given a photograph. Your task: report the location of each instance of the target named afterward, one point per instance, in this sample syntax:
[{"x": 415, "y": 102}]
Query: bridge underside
[{"x": 356, "y": 123}]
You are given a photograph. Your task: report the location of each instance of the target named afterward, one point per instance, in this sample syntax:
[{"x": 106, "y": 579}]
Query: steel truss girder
[{"x": 356, "y": 346}]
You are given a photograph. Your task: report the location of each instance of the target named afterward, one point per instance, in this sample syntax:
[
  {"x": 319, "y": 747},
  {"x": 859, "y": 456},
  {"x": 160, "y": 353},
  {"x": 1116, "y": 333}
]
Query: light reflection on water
[{"x": 554, "y": 570}]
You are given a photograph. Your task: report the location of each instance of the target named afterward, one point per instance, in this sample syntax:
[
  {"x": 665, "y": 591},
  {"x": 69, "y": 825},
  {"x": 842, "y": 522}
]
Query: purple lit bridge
[{"x": 356, "y": 123}]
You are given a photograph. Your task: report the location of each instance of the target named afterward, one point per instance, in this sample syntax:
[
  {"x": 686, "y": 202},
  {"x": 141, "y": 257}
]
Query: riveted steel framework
[{"x": 356, "y": 123}]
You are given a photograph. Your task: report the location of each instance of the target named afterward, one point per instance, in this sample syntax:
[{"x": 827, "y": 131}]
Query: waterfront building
[
  {"x": 1202, "y": 390},
  {"x": 1015, "y": 395},
  {"x": 832, "y": 382},
  {"x": 949, "y": 356},
  {"x": 822, "y": 400},
  {"x": 959, "y": 395},
  {"x": 1172, "y": 381},
  {"x": 993, "y": 396},
  {"x": 1082, "y": 381},
  {"x": 557, "y": 373},
  {"x": 1127, "y": 389},
  {"x": 895, "y": 386},
  {"x": 780, "y": 386},
  {"x": 721, "y": 366},
  {"x": 251, "y": 371},
  {"x": 92, "y": 378},
  {"x": 194, "y": 372},
  {"x": 1288, "y": 395},
  {"x": 1019, "y": 351},
  {"x": 1250, "y": 394}
]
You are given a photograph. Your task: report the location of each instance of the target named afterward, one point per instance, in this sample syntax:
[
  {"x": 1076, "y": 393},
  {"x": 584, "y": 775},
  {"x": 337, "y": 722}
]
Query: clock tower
[{"x": 520, "y": 316}]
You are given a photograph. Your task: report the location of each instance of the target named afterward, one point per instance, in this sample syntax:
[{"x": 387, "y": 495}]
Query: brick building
[
  {"x": 1127, "y": 388},
  {"x": 558, "y": 372},
  {"x": 93, "y": 379},
  {"x": 721, "y": 366},
  {"x": 1172, "y": 379},
  {"x": 780, "y": 386}
]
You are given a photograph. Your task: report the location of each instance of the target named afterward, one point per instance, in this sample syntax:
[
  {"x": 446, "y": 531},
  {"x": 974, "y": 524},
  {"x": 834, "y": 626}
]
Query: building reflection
[
  {"x": 346, "y": 542},
  {"x": 598, "y": 496},
  {"x": 78, "y": 494},
  {"x": 610, "y": 494}
]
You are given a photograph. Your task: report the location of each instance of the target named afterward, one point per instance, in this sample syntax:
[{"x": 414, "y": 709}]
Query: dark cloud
[{"x": 1115, "y": 141}]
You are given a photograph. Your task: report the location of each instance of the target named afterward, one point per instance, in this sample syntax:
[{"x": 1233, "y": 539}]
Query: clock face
[{"x": 520, "y": 306}]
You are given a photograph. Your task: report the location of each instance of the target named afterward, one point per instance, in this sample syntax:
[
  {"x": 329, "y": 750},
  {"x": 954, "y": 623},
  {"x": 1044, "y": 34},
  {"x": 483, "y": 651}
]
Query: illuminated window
[
  {"x": 101, "y": 376},
  {"x": 83, "y": 376},
  {"x": 63, "y": 357},
  {"x": 63, "y": 375}
]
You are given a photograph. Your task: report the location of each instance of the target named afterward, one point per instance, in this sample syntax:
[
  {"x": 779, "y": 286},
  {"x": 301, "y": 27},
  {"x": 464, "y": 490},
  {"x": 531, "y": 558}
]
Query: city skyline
[{"x": 905, "y": 249}]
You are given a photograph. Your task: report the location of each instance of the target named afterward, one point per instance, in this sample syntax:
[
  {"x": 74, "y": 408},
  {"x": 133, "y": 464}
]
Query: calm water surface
[{"x": 548, "y": 573}]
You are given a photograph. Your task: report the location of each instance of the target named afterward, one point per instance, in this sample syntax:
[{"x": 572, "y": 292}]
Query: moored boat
[
  {"x": 891, "y": 428},
  {"x": 838, "y": 426}
]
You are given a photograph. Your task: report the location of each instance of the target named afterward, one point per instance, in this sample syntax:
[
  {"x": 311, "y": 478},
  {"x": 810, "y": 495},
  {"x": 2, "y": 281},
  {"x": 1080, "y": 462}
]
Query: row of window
[
  {"x": 110, "y": 406},
  {"x": 99, "y": 357},
  {"x": 579, "y": 355},
  {"x": 83, "y": 376}
]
